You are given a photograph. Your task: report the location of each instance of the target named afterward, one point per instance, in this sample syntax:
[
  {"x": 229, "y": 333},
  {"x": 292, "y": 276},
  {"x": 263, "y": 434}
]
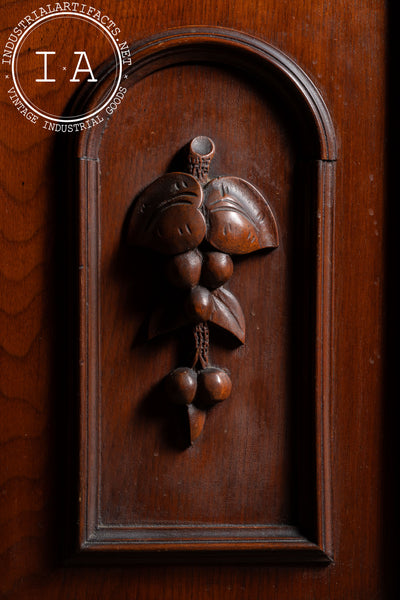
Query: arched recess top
[{"x": 231, "y": 48}]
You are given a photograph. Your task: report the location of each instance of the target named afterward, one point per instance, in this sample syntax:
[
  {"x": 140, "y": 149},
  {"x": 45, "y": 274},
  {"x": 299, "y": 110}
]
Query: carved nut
[
  {"x": 167, "y": 215},
  {"x": 217, "y": 269},
  {"x": 214, "y": 386},
  {"x": 181, "y": 385},
  {"x": 183, "y": 270},
  {"x": 199, "y": 304}
]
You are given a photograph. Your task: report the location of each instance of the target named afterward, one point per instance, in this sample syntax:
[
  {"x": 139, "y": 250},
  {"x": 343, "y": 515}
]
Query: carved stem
[
  {"x": 201, "y": 152},
  {"x": 201, "y": 336}
]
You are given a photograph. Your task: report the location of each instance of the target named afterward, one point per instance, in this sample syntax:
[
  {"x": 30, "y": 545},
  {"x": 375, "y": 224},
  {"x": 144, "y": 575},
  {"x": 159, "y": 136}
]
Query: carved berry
[
  {"x": 199, "y": 304},
  {"x": 217, "y": 269},
  {"x": 214, "y": 385},
  {"x": 183, "y": 270},
  {"x": 181, "y": 385}
]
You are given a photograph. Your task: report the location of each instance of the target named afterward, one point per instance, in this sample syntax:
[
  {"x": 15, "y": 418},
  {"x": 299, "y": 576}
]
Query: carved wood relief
[
  {"x": 199, "y": 222},
  {"x": 257, "y": 483}
]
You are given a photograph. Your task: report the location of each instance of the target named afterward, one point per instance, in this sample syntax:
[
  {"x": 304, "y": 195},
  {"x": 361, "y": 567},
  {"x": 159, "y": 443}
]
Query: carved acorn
[
  {"x": 214, "y": 385},
  {"x": 167, "y": 216},
  {"x": 184, "y": 270},
  {"x": 181, "y": 385},
  {"x": 217, "y": 269},
  {"x": 199, "y": 304}
]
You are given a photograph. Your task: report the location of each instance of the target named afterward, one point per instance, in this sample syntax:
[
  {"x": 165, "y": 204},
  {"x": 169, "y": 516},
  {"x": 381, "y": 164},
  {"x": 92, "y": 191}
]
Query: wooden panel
[
  {"x": 239, "y": 486},
  {"x": 342, "y": 46}
]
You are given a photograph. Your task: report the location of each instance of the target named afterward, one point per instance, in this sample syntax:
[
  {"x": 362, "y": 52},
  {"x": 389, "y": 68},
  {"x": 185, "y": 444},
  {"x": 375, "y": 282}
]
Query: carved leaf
[
  {"x": 166, "y": 215},
  {"x": 197, "y": 419},
  {"x": 228, "y": 313},
  {"x": 240, "y": 218}
]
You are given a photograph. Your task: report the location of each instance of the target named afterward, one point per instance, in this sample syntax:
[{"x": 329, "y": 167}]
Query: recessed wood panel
[
  {"x": 245, "y": 449},
  {"x": 258, "y": 477}
]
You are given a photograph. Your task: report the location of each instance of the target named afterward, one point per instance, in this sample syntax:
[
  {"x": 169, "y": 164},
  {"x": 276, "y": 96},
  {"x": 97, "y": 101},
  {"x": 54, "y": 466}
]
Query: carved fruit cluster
[
  {"x": 211, "y": 269},
  {"x": 204, "y": 388},
  {"x": 199, "y": 274},
  {"x": 177, "y": 215}
]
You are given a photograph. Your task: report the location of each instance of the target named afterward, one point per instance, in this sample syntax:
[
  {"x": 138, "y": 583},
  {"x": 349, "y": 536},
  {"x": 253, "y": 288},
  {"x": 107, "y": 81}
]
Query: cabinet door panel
[
  {"x": 243, "y": 483},
  {"x": 291, "y": 468}
]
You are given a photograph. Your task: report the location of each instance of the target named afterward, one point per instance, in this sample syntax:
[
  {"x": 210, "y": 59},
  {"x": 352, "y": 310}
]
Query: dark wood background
[{"x": 342, "y": 47}]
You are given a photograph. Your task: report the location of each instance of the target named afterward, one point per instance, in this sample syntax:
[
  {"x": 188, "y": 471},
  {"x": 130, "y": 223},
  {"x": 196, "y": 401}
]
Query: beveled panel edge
[
  {"x": 326, "y": 174},
  {"x": 88, "y": 342},
  {"x": 269, "y": 544}
]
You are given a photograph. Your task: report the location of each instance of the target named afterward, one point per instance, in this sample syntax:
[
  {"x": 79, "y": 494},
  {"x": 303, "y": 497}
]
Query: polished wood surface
[{"x": 341, "y": 46}]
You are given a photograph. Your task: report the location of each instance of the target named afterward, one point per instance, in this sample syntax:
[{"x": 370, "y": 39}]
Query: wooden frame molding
[{"x": 309, "y": 539}]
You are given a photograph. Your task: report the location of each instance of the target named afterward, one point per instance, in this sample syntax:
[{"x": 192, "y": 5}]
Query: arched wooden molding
[
  {"x": 232, "y": 49},
  {"x": 284, "y": 79}
]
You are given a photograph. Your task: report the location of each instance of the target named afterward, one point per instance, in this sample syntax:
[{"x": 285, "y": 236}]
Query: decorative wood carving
[
  {"x": 111, "y": 519},
  {"x": 182, "y": 215}
]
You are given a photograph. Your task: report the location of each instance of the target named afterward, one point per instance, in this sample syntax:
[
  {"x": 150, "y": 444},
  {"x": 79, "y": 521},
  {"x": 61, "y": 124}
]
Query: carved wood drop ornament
[{"x": 199, "y": 223}]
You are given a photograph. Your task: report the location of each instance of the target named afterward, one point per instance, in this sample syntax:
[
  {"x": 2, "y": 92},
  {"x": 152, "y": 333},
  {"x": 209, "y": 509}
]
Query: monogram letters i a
[{"x": 199, "y": 222}]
